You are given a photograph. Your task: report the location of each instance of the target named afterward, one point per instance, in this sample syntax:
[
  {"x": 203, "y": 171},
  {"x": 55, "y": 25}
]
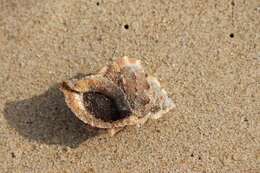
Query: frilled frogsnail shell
[{"x": 120, "y": 94}]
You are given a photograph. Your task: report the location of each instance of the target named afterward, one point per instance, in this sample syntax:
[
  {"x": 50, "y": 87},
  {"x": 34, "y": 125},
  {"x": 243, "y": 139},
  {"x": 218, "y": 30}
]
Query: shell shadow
[{"x": 47, "y": 119}]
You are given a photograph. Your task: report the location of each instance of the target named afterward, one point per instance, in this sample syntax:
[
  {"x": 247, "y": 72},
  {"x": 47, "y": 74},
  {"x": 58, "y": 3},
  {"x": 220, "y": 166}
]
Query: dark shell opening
[{"x": 103, "y": 107}]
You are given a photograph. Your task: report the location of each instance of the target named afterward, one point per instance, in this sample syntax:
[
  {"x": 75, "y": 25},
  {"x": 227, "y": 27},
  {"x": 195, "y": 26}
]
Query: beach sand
[{"x": 205, "y": 53}]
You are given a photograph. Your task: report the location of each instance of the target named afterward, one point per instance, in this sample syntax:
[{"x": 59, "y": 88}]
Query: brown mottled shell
[{"x": 134, "y": 93}]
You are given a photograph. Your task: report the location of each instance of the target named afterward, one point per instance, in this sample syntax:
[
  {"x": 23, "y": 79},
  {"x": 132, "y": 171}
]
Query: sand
[{"x": 206, "y": 54}]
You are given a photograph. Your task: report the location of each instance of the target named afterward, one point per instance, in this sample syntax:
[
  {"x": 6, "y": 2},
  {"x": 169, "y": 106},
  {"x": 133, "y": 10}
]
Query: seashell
[{"x": 119, "y": 95}]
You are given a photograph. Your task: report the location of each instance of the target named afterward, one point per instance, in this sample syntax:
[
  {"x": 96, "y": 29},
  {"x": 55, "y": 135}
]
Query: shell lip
[{"x": 75, "y": 102}]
